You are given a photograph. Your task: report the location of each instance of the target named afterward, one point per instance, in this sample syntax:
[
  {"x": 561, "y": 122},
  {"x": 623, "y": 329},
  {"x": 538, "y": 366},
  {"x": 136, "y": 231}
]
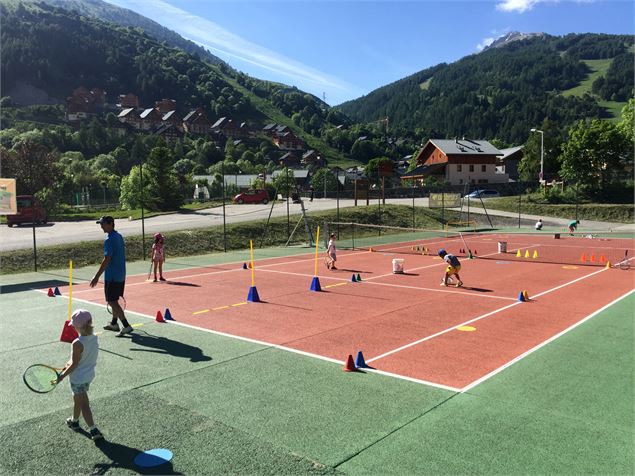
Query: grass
[
  {"x": 210, "y": 240},
  {"x": 530, "y": 205},
  {"x": 598, "y": 68}
]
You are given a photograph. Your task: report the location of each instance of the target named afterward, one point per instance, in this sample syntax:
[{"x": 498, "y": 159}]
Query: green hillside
[{"x": 503, "y": 92}]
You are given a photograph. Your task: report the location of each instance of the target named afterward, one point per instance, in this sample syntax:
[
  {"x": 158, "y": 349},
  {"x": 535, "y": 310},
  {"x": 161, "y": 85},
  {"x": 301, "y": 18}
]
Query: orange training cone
[
  {"x": 583, "y": 258},
  {"x": 51, "y": 293},
  {"x": 592, "y": 258},
  {"x": 350, "y": 364},
  {"x": 526, "y": 295},
  {"x": 159, "y": 317},
  {"x": 602, "y": 259}
]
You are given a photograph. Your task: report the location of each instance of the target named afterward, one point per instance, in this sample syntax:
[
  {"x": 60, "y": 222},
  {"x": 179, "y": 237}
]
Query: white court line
[
  {"x": 403, "y": 286},
  {"x": 496, "y": 311},
  {"x": 542, "y": 344}
]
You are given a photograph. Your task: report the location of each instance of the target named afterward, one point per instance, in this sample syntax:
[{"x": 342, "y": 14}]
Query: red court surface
[{"x": 405, "y": 324}]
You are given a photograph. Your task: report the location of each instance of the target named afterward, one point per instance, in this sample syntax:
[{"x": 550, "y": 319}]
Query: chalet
[
  {"x": 131, "y": 117},
  {"x": 165, "y": 105},
  {"x": 122, "y": 129},
  {"x": 458, "y": 162},
  {"x": 149, "y": 119},
  {"x": 288, "y": 141},
  {"x": 127, "y": 101},
  {"x": 169, "y": 132},
  {"x": 196, "y": 122},
  {"x": 510, "y": 160},
  {"x": 171, "y": 117},
  {"x": 289, "y": 160},
  {"x": 312, "y": 157},
  {"x": 230, "y": 129},
  {"x": 84, "y": 103}
]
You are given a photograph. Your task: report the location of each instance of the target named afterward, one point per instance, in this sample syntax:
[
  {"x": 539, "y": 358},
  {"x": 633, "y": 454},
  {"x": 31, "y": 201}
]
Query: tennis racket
[
  {"x": 41, "y": 378},
  {"x": 122, "y": 303}
]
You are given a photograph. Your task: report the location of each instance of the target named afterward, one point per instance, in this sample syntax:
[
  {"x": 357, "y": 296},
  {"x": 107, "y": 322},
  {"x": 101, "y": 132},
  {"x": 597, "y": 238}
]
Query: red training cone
[
  {"x": 160, "y": 317},
  {"x": 350, "y": 364},
  {"x": 69, "y": 333},
  {"x": 51, "y": 293}
]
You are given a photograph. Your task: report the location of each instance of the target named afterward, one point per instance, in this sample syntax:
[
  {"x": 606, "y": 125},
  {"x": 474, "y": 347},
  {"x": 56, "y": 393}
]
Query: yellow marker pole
[
  {"x": 317, "y": 243},
  {"x": 251, "y": 259},
  {"x": 70, "y": 289}
]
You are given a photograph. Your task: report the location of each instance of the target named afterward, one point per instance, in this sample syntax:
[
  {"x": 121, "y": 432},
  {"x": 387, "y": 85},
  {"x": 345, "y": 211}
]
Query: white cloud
[
  {"x": 223, "y": 42},
  {"x": 519, "y": 6},
  {"x": 484, "y": 43}
]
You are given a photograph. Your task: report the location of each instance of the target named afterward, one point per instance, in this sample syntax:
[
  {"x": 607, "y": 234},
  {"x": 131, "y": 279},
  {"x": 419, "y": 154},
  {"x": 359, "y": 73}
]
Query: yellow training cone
[
  {"x": 518, "y": 255},
  {"x": 526, "y": 295},
  {"x": 535, "y": 254},
  {"x": 526, "y": 253},
  {"x": 608, "y": 264}
]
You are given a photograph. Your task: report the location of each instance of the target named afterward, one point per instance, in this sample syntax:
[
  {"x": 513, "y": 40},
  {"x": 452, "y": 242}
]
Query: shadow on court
[
  {"x": 122, "y": 456},
  {"x": 182, "y": 283},
  {"x": 163, "y": 345},
  {"x": 17, "y": 288}
]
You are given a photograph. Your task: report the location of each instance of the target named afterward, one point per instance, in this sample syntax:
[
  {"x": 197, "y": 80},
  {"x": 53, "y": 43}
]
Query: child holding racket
[
  {"x": 81, "y": 369},
  {"x": 158, "y": 256},
  {"x": 454, "y": 266}
]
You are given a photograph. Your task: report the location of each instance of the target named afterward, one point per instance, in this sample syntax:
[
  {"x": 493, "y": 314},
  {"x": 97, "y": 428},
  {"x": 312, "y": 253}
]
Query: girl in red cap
[{"x": 158, "y": 256}]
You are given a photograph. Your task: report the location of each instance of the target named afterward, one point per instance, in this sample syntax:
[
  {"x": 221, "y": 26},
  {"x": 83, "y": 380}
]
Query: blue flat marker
[{"x": 154, "y": 457}]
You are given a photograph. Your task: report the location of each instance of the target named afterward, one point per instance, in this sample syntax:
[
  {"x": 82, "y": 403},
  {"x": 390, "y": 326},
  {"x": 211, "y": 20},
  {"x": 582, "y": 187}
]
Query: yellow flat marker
[
  {"x": 466, "y": 329},
  {"x": 219, "y": 308},
  {"x": 139, "y": 324},
  {"x": 333, "y": 285},
  {"x": 239, "y": 304},
  {"x": 569, "y": 267},
  {"x": 200, "y": 312}
]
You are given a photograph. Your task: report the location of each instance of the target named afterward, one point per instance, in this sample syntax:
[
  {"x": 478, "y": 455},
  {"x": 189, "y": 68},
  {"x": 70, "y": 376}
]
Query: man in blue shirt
[{"x": 114, "y": 266}]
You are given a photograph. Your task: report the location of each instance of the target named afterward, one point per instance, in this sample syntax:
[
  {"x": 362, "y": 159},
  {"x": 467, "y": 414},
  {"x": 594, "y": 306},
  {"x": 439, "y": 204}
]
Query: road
[{"x": 72, "y": 232}]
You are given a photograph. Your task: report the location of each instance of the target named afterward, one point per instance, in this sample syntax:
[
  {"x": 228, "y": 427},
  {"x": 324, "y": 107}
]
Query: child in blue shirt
[{"x": 454, "y": 266}]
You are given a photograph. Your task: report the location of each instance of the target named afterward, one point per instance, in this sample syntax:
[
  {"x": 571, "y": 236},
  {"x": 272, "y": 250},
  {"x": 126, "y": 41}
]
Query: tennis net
[{"x": 584, "y": 249}]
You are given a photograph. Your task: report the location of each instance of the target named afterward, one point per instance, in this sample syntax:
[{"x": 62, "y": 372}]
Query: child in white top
[
  {"x": 81, "y": 368},
  {"x": 538, "y": 225},
  {"x": 158, "y": 256},
  {"x": 331, "y": 253}
]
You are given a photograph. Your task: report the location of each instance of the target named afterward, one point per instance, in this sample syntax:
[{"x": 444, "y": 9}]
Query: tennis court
[{"x": 236, "y": 386}]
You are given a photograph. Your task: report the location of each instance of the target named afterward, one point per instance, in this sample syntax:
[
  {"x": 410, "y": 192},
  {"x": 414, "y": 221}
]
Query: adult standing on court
[{"x": 114, "y": 268}]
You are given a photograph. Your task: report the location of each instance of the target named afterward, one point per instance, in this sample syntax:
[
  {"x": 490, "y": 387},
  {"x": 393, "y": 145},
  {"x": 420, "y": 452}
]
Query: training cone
[
  {"x": 253, "y": 295},
  {"x": 475, "y": 253},
  {"x": 535, "y": 255},
  {"x": 583, "y": 258},
  {"x": 57, "y": 291},
  {"x": 69, "y": 334},
  {"x": 159, "y": 317},
  {"x": 602, "y": 259},
  {"x": 51, "y": 293},
  {"x": 518, "y": 254},
  {"x": 244, "y": 265},
  {"x": 249, "y": 265},
  {"x": 315, "y": 284},
  {"x": 470, "y": 256},
  {"x": 353, "y": 278},
  {"x": 521, "y": 297},
  {"x": 168, "y": 315},
  {"x": 371, "y": 250},
  {"x": 359, "y": 361},
  {"x": 350, "y": 364},
  {"x": 608, "y": 264},
  {"x": 359, "y": 278},
  {"x": 526, "y": 253},
  {"x": 592, "y": 258},
  {"x": 526, "y": 295}
]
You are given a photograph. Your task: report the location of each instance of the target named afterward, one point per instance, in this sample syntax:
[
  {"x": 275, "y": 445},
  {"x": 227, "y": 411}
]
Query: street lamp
[{"x": 542, "y": 153}]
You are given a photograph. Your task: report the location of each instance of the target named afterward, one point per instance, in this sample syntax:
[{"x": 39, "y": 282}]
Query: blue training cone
[
  {"x": 244, "y": 265},
  {"x": 353, "y": 278},
  {"x": 521, "y": 297},
  {"x": 359, "y": 361},
  {"x": 253, "y": 295},
  {"x": 168, "y": 315},
  {"x": 57, "y": 291},
  {"x": 315, "y": 284}
]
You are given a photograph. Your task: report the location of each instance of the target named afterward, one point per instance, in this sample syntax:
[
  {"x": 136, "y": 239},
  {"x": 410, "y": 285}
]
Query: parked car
[
  {"x": 29, "y": 211},
  {"x": 483, "y": 194},
  {"x": 252, "y": 196}
]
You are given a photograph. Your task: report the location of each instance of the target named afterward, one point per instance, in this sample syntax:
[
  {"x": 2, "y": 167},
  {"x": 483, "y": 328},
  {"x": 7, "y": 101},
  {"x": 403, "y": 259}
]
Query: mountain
[
  {"x": 124, "y": 17},
  {"x": 505, "y": 91},
  {"x": 510, "y": 37}
]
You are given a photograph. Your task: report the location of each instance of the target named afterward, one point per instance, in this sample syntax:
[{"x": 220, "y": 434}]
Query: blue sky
[{"x": 343, "y": 49}]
